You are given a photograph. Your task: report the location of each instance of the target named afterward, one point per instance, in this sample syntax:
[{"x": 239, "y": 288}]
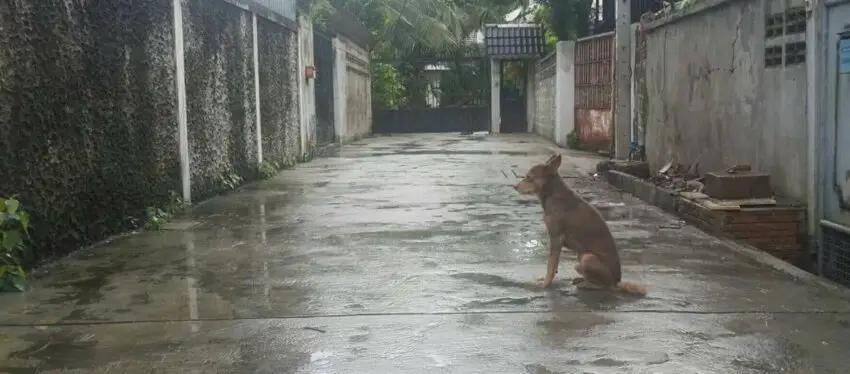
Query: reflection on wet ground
[{"x": 413, "y": 254}]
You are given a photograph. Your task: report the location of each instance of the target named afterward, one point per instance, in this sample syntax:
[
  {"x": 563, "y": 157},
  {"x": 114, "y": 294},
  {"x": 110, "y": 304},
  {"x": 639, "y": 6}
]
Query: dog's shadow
[
  {"x": 596, "y": 299},
  {"x": 593, "y": 299}
]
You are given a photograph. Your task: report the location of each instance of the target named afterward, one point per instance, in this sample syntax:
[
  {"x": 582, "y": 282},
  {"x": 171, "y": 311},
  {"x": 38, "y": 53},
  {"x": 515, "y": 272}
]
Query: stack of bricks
[{"x": 778, "y": 230}]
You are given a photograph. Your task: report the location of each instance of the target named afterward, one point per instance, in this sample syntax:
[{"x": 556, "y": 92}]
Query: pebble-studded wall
[
  {"x": 278, "y": 92},
  {"x": 221, "y": 110},
  {"x": 88, "y": 109},
  {"x": 87, "y": 115}
]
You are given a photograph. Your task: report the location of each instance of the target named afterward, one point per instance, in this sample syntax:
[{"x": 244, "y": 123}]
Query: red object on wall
[{"x": 310, "y": 72}]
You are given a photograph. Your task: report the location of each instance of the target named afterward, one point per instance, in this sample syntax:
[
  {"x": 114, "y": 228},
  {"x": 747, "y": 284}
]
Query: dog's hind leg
[
  {"x": 580, "y": 278},
  {"x": 597, "y": 276}
]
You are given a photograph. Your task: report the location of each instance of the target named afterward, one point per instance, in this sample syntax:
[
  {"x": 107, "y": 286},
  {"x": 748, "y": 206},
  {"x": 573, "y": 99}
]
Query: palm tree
[{"x": 405, "y": 27}]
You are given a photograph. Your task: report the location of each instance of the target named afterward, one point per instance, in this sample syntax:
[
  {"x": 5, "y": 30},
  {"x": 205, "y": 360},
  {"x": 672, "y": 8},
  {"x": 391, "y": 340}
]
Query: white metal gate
[{"x": 834, "y": 251}]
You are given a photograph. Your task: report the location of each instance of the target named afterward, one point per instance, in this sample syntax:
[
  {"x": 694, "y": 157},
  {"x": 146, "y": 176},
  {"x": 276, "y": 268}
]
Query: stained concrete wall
[
  {"x": 307, "y": 87},
  {"x": 712, "y": 101},
  {"x": 89, "y": 112},
  {"x": 553, "y": 96},
  {"x": 357, "y": 87},
  {"x": 544, "y": 97}
]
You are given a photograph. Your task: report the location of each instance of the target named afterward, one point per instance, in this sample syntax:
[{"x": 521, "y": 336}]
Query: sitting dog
[{"x": 573, "y": 223}]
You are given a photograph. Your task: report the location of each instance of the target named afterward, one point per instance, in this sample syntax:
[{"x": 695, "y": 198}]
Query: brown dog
[{"x": 573, "y": 223}]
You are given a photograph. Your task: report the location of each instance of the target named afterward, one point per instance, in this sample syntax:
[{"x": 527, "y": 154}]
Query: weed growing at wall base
[
  {"x": 231, "y": 181},
  {"x": 573, "y": 141},
  {"x": 267, "y": 169},
  {"x": 156, "y": 217},
  {"x": 14, "y": 229}
]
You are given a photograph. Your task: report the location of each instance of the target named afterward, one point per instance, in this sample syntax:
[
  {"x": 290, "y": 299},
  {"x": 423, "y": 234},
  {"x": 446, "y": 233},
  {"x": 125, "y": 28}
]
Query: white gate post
[
  {"x": 257, "y": 89},
  {"x": 565, "y": 103},
  {"x": 182, "y": 123},
  {"x": 495, "y": 95}
]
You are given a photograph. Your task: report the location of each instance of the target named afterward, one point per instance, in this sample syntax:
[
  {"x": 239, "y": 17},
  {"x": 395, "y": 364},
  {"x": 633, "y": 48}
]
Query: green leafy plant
[
  {"x": 14, "y": 229},
  {"x": 288, "y": 163},
  {"x": 177, "y": 204},
  {"x": 573, "y": 141},
  {"x": 388, "y": 89},
  {"x": 268, "y": 169},
  {"x": 156, "y": 218},
  {"x": 231, "y": 181}
]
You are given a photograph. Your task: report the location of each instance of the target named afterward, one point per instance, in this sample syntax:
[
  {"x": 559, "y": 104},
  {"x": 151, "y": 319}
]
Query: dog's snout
[{"x": 515, "y": 186}]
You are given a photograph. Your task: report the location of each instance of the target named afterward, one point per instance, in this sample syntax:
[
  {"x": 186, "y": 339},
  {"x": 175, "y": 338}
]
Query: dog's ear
[{"x": 554, "y": 162}]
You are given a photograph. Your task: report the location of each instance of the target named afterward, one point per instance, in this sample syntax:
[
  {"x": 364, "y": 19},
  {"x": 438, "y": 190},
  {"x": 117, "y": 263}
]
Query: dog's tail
[{"x": 631, "y": 288}]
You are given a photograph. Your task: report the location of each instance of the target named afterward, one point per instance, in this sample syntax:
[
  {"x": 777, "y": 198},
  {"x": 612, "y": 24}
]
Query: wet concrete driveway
[{"x": 412, "y": 254}]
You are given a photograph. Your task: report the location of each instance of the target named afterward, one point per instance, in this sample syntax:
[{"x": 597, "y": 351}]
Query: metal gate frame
[
  {"x": 594, "y": 81},
  {"x": 833, "y": 231},
  {"x": 454, "y": 118},
  {"x": 323, "y": 56}
]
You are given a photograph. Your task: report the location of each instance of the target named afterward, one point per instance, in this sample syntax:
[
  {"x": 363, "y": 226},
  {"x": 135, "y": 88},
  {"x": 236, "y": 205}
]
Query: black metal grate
[
  {"x": 835, "y": 254},
  {"x": 773, "y": 56},
  {"x": 324, "y": 58},
  {"x": 795, "y": 53}
]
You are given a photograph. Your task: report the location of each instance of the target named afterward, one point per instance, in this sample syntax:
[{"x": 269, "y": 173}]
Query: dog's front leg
[{"x": 555, "y": 245}]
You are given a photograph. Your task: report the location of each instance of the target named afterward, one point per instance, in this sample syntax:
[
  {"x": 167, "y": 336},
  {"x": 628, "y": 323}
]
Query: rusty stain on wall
[
  {"x": 594, "y": 81},
  {"x": 594, "y": 128}
]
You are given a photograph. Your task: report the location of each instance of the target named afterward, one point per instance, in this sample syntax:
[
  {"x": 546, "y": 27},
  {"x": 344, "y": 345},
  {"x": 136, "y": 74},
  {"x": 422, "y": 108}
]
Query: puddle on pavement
[
  {"x": 495, "y": 281},
  {"x": 444, "y": 152},
  {"x": 621, "y": 211},
  {"x": 507, "y": 301},
  {"x": 599, "y": 300},
  {"x": 538, "y": 369}
]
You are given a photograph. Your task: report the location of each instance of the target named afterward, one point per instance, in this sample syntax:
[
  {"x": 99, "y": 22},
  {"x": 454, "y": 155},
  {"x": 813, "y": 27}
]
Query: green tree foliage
[
  {"x": 388, "y": 90},
  {"x": 408, "y": 27},
  {"x": 14, "y": 230},
  {"x": 564, "y": 19}
]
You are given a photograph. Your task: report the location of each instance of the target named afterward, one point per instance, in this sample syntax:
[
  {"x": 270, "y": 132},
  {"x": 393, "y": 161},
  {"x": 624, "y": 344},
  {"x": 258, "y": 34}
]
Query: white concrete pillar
[
  {"x": 306, "y": 88},
  {"x": 301, "y": 83},
  {"x": 256, "y": 48},
  {"x": 369, "y": 93},
  {"x": 633, "y": 132},
  {"x": 495, "y": 96},
  {"x": 182, "y": 123},
  {"x": 623, "y": 80},
  {"x": 816, "y": 53},
  {"x": 565, "y": 86},
  {"x": 530, "y": 94},
  {"x": 340, "y": 96}
]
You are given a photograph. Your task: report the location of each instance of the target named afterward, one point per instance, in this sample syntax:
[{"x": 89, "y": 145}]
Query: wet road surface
[{"x": 412, "y": 254}]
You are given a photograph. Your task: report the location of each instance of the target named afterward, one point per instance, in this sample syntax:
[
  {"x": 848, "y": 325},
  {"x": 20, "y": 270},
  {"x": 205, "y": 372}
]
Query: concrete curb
[{"x": 670, "y": 202}]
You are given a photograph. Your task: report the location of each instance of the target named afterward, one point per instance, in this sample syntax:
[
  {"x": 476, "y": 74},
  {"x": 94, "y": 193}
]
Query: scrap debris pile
[{"x": 676, "y": 177}]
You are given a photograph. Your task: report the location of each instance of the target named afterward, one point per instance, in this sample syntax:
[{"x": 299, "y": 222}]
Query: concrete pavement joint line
[{"x": 423, "y": 314}]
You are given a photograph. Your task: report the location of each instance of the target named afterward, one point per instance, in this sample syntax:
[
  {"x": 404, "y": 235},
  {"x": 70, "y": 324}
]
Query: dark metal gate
[
  {"x": 512, "y": 101},
  {"x": 324, "y": 59},
  {"x": 431, "y": 94}
]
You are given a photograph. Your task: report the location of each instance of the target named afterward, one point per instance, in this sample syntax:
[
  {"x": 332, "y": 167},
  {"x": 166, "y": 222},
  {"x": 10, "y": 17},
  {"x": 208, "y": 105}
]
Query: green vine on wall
[{"x": 14, "y": 230}]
